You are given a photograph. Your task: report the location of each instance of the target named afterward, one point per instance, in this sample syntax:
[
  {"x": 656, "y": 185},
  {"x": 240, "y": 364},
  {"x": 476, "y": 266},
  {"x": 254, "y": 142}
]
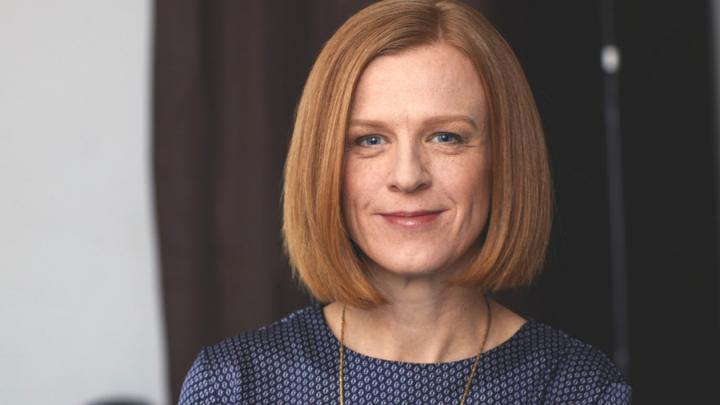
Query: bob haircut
[{"x": 511, "y": 249}]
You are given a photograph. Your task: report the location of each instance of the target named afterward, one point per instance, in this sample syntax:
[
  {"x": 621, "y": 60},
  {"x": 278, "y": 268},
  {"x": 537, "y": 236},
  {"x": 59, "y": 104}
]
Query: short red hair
[{"x": 316, "y": 238}]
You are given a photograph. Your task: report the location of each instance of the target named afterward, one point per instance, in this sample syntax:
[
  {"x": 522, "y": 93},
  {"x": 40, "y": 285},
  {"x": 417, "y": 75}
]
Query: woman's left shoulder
[{"x": 579, "y": 373}]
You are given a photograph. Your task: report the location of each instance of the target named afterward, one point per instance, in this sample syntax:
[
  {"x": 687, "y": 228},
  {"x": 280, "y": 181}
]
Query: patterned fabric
[{"x": 295, "y": 361}]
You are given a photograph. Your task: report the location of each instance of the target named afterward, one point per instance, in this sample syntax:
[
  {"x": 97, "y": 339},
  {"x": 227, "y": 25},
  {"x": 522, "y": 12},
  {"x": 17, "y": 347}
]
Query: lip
[{"x": 412, "y": 219}]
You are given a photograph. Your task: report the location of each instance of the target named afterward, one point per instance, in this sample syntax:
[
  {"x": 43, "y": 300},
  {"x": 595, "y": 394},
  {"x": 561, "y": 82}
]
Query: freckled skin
[{"x": 417, "y": 141}]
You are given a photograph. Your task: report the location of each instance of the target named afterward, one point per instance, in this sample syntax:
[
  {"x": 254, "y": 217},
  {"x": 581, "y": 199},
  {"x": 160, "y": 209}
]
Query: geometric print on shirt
[{"x": 295, "y": 361}]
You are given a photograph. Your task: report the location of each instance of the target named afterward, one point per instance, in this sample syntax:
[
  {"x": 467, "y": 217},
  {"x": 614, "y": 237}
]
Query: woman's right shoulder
[{"x": 217, "y": 374}]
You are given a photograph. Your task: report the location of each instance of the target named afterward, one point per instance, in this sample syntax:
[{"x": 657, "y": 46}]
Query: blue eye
[
  {"x": 446, "y": 137},
  {"x": 370, "y": 140}
]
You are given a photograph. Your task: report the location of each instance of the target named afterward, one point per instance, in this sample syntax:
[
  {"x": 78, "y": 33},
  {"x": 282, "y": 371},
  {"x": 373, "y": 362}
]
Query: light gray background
[{"x": 80, "y": 315}]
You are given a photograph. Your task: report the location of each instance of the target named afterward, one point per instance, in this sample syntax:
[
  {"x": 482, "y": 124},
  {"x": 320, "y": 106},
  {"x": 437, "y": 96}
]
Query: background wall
[
  {"x": 228, "y": 75},
  {"x": 79, "y": 305},
  {"x": 667, "y": 112}
]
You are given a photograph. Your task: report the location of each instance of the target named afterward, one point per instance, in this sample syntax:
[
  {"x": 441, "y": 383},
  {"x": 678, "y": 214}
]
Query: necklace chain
[{"x": 468, "y": 384}]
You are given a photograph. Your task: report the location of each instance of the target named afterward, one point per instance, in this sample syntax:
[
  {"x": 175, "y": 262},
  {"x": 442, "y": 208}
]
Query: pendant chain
[{"x": 468, "y": 384}]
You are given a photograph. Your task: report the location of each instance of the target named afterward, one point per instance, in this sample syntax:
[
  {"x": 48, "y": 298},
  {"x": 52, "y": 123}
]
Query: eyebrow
[{"x": 437, "y": 120}]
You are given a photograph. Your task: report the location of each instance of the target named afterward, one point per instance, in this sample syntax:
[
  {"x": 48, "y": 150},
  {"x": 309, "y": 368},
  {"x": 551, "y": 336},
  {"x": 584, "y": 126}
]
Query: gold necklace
[{"x": 468, "y": 384}]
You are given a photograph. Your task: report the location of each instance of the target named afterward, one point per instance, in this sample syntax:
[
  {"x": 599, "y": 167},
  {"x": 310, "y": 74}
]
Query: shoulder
[
  {"x": 577, "y": 372},
  {"x": 219, "y": 371}
]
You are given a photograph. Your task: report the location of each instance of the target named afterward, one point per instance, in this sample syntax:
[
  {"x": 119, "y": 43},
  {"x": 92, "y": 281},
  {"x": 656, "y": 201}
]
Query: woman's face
[{"x": 416, "y": 175}]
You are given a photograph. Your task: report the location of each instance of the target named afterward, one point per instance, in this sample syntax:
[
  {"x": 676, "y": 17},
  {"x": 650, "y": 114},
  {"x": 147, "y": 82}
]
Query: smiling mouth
[{"x": 411, "y": 219}]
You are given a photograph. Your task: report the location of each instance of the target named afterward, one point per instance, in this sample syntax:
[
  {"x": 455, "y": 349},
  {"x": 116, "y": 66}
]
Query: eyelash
[
  {"x": 360, "y": 140},
  {"x": 456, "y": 139}
]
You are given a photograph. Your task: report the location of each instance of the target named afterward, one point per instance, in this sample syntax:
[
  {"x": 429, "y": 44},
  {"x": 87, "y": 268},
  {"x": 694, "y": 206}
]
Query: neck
[{"x": 424, "y": 322}]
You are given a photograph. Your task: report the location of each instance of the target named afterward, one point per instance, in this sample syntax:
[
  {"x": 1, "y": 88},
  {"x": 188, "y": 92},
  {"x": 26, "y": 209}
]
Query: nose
[{"x": 409, "y": 172}]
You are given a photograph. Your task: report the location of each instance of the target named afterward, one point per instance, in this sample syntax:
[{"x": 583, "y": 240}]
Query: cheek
[
  {"x": 467, "y": 181},
  {"x": 360, "y": 182}
]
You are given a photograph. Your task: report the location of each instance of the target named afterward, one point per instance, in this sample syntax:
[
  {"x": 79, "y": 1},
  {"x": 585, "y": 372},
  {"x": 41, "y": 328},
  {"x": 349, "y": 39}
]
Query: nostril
[{"x": 409, "y": 174}]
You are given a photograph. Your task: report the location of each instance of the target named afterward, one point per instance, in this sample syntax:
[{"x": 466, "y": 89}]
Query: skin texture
[
  {"x": 417, "y": 142},
  {"x": 416, "y": 195}
]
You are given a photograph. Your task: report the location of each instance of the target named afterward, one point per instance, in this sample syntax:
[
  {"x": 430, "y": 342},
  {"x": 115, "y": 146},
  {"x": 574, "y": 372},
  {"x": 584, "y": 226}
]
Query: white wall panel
[{"x": 80, "y": 314}]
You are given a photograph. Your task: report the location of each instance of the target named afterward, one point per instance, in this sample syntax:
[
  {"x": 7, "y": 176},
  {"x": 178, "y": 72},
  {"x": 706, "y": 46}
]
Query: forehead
[{"x": 418, "y": 83}]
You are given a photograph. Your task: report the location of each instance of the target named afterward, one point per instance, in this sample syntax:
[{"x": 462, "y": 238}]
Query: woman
[{"x": 416, "y": 184}]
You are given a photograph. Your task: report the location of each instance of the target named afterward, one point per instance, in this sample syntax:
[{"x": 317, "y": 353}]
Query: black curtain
[
  {"x": 227, "y": 76},
  {"x": 672, "y": 236}
]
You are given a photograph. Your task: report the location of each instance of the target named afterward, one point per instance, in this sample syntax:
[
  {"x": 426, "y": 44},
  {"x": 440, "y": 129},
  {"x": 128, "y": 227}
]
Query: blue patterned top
[{"x": 295, "y": 361}]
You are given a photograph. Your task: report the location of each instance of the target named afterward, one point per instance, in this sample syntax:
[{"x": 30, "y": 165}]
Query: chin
[{"x": 417, "y": 266}]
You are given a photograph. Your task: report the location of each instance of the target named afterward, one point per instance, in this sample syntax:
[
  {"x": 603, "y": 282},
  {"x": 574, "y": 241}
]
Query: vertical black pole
[
  {"x": 610, "y": 58},
  {"x": 715, "y": 41}
]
